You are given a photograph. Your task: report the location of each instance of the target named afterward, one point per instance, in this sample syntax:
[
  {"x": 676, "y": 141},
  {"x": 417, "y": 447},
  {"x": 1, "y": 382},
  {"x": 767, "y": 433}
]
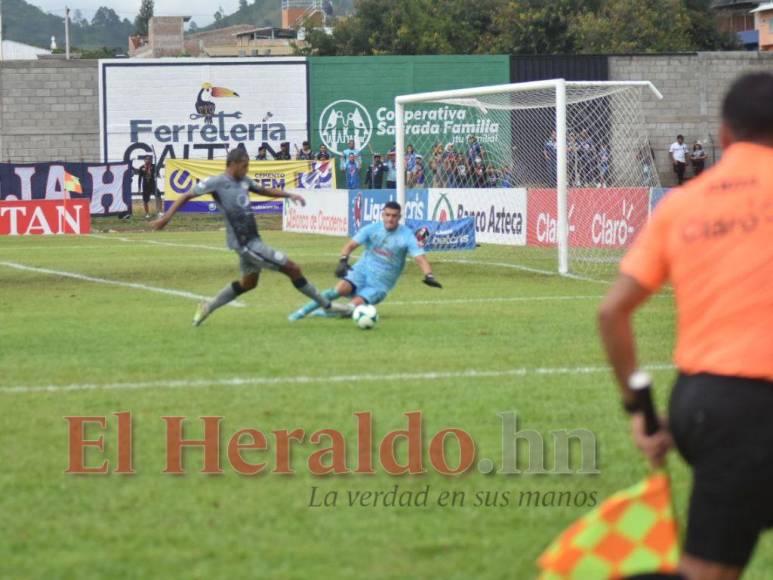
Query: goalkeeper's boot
[
  {"x": 310, "y": 307},
  {"x": 303, "y": 311},
  {"x": 201, "y": 313}
]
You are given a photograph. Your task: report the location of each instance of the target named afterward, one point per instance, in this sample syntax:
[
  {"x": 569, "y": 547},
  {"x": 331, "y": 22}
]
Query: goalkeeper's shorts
[
  {"x": 723, "y": 427},
  {"x": 365, "y": 288}
]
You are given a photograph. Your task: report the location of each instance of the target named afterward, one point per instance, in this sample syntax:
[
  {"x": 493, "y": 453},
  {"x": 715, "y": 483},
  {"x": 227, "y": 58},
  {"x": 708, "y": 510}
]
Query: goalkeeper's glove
[
  {"x": 429, "y": 280},
  {"x": 343, "y": 267}
]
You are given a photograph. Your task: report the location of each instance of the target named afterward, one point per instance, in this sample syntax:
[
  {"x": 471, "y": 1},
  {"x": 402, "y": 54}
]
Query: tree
[
  {"x": 626, "y": 26},
  {"x": 143, "y": 18},
  {"x": 242, "y": 4},
  {"x": 105, "y": 17},
  {"x": 219, "y": 14},
  {"x": 192, "y": 26}
]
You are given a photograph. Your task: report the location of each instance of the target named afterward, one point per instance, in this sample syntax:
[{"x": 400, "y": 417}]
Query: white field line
[
  {"x": 440, "y": 260},
  {"x": 305, "y": 379},
  {"x": 494, "y": 299},
  {"x": 132, "y": 285},
  {"x": 197, "y": 246}
]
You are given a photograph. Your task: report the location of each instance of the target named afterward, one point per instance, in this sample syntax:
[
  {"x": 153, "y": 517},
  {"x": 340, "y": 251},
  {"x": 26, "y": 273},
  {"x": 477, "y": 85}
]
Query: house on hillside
[
  {"x": 735, "y": 16},
  {"x": 763, "y": 23},
  {"x": 12, "y": 50}
]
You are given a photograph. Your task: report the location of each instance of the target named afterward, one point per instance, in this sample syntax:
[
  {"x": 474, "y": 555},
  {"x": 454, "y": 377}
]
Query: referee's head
[{"x": 747, "y": 112}]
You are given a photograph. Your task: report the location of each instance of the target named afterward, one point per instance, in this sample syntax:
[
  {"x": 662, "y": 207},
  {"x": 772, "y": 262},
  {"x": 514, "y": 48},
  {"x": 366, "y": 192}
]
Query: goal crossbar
[{"x": 560, "y": 87}]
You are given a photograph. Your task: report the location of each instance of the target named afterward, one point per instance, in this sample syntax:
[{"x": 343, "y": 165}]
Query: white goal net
[{"x": 557, "y": 175}]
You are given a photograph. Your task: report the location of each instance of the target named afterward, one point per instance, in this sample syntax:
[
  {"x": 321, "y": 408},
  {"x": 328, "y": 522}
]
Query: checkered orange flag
[
  {"x": 633, "y": 532},
  {"x": 72, "y": 183}
]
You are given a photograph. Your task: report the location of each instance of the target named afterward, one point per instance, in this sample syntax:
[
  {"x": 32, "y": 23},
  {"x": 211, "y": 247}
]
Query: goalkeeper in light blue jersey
[{"x": 387, "y": 245}]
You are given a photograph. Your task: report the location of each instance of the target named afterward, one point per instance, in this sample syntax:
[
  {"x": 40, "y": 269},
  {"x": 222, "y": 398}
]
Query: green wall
[{"x": 371, "y": 83}]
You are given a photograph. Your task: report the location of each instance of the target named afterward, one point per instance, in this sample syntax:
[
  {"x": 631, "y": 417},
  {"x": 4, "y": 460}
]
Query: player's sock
[
  {"x": 307, "y": 288},
  {"x": 227, "y": 294}
]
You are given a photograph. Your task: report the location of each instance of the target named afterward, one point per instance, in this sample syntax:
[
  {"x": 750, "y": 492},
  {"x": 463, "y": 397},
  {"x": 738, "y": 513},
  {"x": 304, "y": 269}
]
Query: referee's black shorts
[{"x": 723, "y": 427}]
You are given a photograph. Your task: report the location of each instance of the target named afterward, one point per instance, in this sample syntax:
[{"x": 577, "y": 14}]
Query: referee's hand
[{"x": 655, "y": 447}]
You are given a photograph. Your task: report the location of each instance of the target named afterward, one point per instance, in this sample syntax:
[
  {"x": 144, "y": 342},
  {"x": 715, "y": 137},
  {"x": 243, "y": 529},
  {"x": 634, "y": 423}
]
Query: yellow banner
[{"x": 183, "y": 174}]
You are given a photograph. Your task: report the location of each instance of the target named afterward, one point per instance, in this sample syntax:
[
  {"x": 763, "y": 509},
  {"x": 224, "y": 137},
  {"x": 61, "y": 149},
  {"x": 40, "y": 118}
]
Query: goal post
[{"x": 577, "y": 152}]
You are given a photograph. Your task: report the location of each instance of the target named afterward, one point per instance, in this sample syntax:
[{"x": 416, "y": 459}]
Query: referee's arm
[{"x": 615, "y": 325}]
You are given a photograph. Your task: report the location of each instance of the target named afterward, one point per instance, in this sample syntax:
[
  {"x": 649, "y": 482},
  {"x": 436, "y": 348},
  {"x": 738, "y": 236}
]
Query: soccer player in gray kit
[{"x": 231, "y": 192}]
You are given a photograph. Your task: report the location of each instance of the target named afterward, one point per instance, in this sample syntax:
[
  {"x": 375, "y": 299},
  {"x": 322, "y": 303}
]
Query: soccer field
[{"x": 96, "y": 325}]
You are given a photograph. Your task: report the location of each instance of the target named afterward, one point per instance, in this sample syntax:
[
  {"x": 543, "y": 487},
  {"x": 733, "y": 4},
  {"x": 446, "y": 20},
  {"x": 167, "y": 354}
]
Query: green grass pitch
[{"x": 530, "y": 338}]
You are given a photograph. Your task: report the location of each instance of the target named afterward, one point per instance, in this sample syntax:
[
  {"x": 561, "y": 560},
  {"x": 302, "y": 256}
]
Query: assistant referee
[{"x": 713, "y": 240}]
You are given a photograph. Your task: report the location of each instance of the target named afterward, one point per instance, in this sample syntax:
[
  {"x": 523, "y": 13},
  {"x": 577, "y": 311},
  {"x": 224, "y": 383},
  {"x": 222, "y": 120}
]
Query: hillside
[
  {"x": 267, "y": 13},
  {"x": 26, "y": 23}
]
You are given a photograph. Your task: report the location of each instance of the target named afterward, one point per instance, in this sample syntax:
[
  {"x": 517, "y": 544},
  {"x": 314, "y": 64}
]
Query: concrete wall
[
  {"x": 693, "y": 86},
  {"x": 49, "y": 111}
]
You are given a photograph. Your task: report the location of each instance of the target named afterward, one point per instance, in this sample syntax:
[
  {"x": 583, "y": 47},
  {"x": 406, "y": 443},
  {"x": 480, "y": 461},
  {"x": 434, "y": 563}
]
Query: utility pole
[
  {"x": 67, "y": 33},
  {"x": 1, "y": 30}
]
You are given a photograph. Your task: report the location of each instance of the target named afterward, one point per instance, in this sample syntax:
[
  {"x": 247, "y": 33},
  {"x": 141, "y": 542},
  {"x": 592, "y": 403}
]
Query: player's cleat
[
  {"x": 201, "y": 313},
  {"x": 298, "y": 314}
]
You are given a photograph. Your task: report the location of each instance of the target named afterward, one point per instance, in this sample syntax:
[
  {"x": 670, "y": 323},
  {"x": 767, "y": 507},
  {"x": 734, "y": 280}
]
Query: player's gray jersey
[{"x": 232, "y": 197}]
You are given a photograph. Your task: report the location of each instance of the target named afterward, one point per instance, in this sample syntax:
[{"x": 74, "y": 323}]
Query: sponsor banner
[
  {"x": 363, "y": 111},
  {"x": 325, "y": 213},
  {"x": 598, "y": 218},
  {"x": 365, "y": 206},
  {"x": 499, "y": 213},
  {"x": 107, "y": 187},
  {"x": 26, "y": 218},
  {"x": 183, "y": 174},
  {"x": 200, "y": 108},
  {"x": 448, "y": 236}
]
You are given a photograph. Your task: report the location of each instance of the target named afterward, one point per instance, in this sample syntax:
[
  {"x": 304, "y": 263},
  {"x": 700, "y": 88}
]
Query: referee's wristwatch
[{"x": 636, "y": 382}]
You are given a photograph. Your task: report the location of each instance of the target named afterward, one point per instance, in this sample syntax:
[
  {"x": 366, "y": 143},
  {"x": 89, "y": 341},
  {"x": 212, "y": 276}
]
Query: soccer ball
[{"x": 365, "y": 316}]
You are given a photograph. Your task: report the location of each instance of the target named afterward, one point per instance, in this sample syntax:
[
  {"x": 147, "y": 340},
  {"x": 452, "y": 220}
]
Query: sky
[{"x": 201, "y": 11}]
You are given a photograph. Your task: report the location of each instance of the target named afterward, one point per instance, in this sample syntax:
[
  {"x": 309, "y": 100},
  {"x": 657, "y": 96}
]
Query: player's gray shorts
[{"x": 257, "y": 256}]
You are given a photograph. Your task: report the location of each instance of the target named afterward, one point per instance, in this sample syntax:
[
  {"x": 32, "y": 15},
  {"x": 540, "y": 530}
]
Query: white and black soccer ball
[{"x": 365, "y": 316}]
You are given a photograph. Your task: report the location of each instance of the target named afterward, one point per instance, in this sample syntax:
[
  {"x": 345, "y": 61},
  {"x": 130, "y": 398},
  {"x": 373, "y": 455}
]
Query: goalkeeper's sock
[
  {"x": 307, "y": 289},
  {"x": 226, "y": 295}
]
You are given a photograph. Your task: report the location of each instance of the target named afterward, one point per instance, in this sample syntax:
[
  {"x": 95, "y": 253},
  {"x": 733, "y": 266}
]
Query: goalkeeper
[{"x": 387, "y": 244}]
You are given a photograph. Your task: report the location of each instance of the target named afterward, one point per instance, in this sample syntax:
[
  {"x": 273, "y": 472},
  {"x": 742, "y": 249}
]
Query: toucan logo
[
  {"x": 181, "y": 181},
  {"x": 206, "y": 109}
]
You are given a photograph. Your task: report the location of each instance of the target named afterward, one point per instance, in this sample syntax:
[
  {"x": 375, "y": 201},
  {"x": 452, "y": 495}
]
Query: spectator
[
  {"x": 646, "y": 155},
  {"x": 678, "y": 153},
  {"x": 324, "y": 154},
  {"x": 478, "y": 173},
  {"x": 419, "y": 177},
  {"x": 147, "y": 184},
  {"x": 603, "y": 166},
  {"x": 410, "y": 164},
  {"x": 284, "y": 152},
  {"x": 698, "y": 158},
  {"x": 492, "y": 176},
  {"x": 436, "y": 172},
  {"x": 350, "y": 150},
  {"x": 352, "y": 172},
  {"x": 374, "y": 179},
  {"x": 391, "y": 166},
  {"x": 448, "y": 167},
  {"x": 262, "y": 153},
  {"x": 305, "y": 154},
  {"x": 549, "y": 152},
  {"x": 462, "y": 172},
  {"x": 473, "y": 150},
  {"x": 586, "y": 158}
]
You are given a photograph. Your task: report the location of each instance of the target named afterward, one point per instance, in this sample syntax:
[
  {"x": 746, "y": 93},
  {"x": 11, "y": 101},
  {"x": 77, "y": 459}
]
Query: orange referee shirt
[{"x": 713, "y": 239}]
